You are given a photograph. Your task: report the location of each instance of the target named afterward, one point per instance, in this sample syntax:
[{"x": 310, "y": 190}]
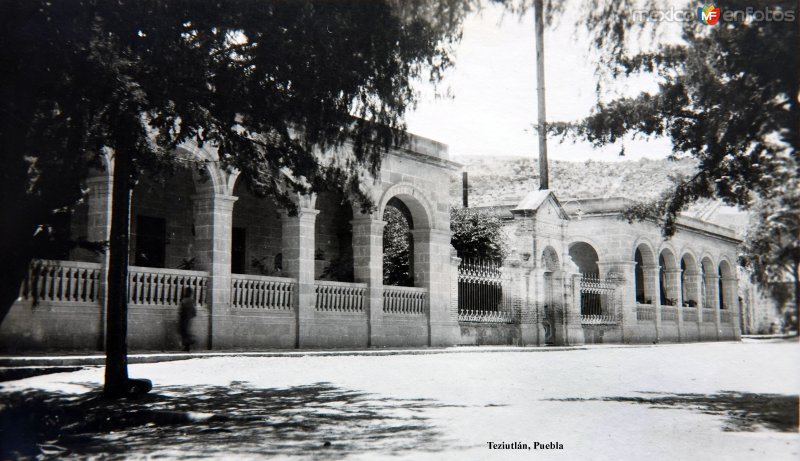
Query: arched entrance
[
  {"x": 585, "y": 257},
  {"x": 398, "y": 244}
]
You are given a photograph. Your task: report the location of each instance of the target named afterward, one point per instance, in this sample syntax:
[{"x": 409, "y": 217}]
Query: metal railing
[
  {"x": 260, "y": 292},
  {"x": 404, "y": 300},
  {"x": 340, "y": 296},
  {"x": 598, "y": 320},
  {"x": 480, "y": 316}
]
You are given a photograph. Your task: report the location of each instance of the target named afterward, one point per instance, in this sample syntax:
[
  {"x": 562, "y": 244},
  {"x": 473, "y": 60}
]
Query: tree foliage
[
  {"x": 727, "y": 96},
  {"x": 477, "y": 235},
  {"x": 268, "y": 85},
  {"x": 398, "y": 247}
]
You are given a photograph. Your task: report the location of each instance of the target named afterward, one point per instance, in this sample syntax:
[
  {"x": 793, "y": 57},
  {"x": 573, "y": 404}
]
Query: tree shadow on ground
[
  {"x": 316, "y": 421},
  {"x": 744, "y": 412}
]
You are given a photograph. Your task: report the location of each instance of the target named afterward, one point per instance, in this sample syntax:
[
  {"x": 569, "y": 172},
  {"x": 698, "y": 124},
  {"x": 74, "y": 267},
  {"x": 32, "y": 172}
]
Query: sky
[{"x": 493, "y": 84}]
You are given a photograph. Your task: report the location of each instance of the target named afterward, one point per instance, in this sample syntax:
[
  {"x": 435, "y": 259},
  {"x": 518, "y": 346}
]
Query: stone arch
[
  {"x": 256, "y": 232},
  {"x": 690, "y": 291},
  {"x": 333, "y": 237},
  {"x": 645, "y": 259},
  {"x": 420, "y": 208},
  {"x": 550, "y": 261},
  {"x": 668, "y": 278},
  {"x": 162, "y": 227},
  {"x": 585, "y": 256},
  {"x": 214, "y": 179}
]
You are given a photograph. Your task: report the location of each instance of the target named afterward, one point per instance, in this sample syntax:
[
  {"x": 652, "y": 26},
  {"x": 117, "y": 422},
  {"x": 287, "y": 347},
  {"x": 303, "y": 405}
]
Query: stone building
[{"x": 266, "y": 279}]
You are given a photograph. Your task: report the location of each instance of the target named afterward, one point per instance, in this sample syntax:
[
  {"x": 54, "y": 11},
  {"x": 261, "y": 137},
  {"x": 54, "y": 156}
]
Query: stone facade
[{"x": 264, "y": 278}]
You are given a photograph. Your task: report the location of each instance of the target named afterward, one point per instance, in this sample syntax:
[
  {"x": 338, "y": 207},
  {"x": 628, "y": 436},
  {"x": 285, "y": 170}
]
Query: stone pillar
[
  {"x": 675, "y": 293},
  {"x": 99, "y": 230},
  {"x": 432, "y": 271},
  {"x": 368, "y": 268},
  {"x": 623, "y": 273},
  {"x": 711, "y": 300},
  {"x": 455, "y": 263},
  {"x": 731, "y": 292},
  {"x": 213, "y": 220},
  {"x": 533, "y": 300},
  {"x": 298, "y": 262},
  {"x": 653, "y": 275},
  {"x": 697, "y": 280},
  {"x": 566, "y": 311}
]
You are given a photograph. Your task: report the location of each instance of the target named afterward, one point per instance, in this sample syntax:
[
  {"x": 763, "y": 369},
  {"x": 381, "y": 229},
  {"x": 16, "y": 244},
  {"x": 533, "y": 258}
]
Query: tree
[
  {"x": 772, "y": 249},
  {"x": 397, "y": 249},
  {"x": 477, "y": 235},
  {"x": 267, "y": 84},
  {"x": 727, "y": 96}
]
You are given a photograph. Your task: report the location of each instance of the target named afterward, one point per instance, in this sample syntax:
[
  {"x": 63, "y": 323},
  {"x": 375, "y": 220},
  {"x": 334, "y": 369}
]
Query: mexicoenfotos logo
[{"x": 709, "y": 14}]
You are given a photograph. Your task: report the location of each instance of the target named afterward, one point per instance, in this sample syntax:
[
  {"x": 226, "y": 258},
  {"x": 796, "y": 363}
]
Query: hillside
[{"x": 505, "y": 180}]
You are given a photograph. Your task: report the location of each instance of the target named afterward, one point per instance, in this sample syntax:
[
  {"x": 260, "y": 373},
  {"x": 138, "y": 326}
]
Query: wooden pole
[{"x": 538, "y": 11}]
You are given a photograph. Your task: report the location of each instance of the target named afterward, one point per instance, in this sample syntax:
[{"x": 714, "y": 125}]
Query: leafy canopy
[{"x": 727, "y": 96}]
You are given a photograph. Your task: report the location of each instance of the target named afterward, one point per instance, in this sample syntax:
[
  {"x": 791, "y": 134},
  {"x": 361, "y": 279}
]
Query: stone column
[
  {"x": 731, "y": 292},
  {"x": 696, "y": 278},
  {"x": 533, "y": 301},
  {"x": 99, "y": 230},
  {"x": 712, "y": 299},
  {"x": 432, "y": 271},
  {"x": 674, "y": 292},
  {"x": 455, "y": 263},
  {"x": 368, "y": 268},
  {"x": 653, "y": 275},
  {"x": 213, "y": 220},
  {"x": 572, "y": 311},
  {"x": 298, "y": 262},
  {"x": 623, "y": 273}
]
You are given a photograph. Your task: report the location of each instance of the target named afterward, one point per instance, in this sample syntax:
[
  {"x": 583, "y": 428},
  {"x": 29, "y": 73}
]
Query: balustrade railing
[
  {"x": 480, "y": 316},
  {"x": 598, "y": 320},
  {"x": 669, "y": 314},
  {"x": 645, "y": 312},
  {"x": 340, "y": 296},
  {"x": 725, "y": 316},
  {"x": 690, "y": 314},
  {"x": 260, "y": 292},
  {"x": 708, "y": 316},
  {"x": 404, "y": 300},
  {"x": 62, "y": 281},
  {"x": 150, "y": 286}
]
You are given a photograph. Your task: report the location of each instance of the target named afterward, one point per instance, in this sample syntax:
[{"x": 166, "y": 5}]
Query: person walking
[{"x": 185, "y": 315}]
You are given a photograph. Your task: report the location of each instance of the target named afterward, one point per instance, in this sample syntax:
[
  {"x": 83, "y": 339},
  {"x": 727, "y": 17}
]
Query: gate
[
  {"x": 599, "y": 301},
  {"x": 485, "y": 294}
]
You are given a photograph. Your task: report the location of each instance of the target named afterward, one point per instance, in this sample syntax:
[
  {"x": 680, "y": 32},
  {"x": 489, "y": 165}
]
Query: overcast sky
[{"x": 494, "y": 89}]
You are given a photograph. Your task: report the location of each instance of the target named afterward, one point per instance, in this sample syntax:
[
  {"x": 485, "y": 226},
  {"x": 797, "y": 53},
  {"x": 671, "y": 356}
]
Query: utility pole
[{"x": 538, "y": 12}]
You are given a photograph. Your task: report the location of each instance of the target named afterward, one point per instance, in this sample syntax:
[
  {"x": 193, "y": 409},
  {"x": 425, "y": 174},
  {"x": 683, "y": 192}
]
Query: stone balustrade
[
  {"x": 261, "y": 292},
  {"x": 725, "y": 316},
  {"x": 645, "y": 312},
  {"x": 690, "y": 314},
  {"x": 708, "y": 315},
  {"x": 669, "y": 314},
  {"x": 340, "y": 296},
  {"x": 62, "y": 281},
  {"x": 404, "y": 300},
  {"x": 150, "y": 286}
]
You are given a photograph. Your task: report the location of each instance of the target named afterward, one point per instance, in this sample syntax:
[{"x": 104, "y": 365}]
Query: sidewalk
[{"x": 98, "y": 358}]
